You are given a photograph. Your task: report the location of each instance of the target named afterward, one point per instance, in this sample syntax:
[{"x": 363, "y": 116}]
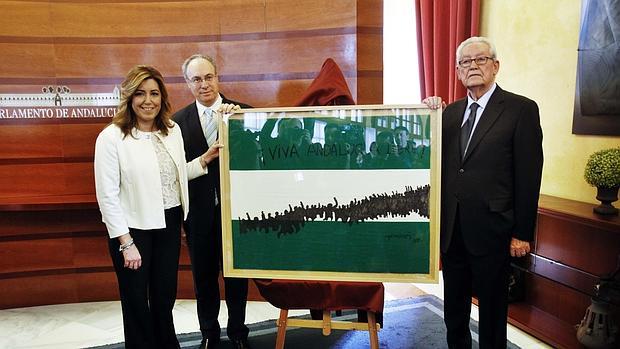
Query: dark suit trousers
[
  {"x": 484, "y": 276},
  {"x": 205, "y": 249},
  {"x": 148, "y": 293}
]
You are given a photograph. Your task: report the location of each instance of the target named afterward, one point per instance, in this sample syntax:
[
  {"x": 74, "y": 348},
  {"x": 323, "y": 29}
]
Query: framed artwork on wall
[
  {"x": 597, "y": 92},
  {"x": 331, "y": 193}
]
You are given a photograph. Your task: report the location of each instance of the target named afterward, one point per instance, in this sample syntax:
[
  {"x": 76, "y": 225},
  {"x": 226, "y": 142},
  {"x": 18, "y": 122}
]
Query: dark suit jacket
[
  {"x": 202, "y": 189},
  {"x": 496, "y": 186}
]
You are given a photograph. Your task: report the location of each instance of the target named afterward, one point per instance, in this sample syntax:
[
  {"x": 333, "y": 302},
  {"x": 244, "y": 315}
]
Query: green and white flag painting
[{"x": 357, "y": 201}]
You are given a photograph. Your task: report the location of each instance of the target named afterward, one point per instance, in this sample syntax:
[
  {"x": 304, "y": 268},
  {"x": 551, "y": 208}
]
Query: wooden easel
[{"x": 327, "y": 324}]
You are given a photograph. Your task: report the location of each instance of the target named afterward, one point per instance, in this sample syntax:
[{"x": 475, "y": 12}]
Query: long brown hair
[{"x": 125, "y": 118}]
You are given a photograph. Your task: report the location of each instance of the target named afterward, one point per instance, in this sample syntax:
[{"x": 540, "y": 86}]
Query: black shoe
[
  {"x": 209, "y": 343},
  {"x": 240, "y": 344}
]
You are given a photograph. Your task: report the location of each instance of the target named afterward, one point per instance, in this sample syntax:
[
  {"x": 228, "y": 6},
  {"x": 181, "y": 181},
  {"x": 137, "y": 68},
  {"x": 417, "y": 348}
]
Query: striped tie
[{"x": 210, "y": 130}]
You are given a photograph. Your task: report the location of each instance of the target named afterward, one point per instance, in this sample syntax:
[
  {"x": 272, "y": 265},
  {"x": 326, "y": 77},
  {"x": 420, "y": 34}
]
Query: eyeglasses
[
  {"x": 466, "y": 63},
  {"x": 197, "y": 80}
]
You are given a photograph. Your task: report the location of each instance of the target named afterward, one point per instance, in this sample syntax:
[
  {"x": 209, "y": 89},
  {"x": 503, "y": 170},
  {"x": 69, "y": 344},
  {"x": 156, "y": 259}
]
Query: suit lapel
[
  {"x": 490, "y": 114},
  {"x": 198, "y": 137},
  {"x": 453, "y": 127}
]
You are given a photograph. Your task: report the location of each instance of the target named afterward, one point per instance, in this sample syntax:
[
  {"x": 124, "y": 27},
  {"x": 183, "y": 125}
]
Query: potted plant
[{"x": 603, "y": 172}]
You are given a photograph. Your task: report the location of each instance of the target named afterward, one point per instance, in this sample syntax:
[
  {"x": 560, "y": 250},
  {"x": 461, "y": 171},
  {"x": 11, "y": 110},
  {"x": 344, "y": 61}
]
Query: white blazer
[{"x": 127, "y": 180}]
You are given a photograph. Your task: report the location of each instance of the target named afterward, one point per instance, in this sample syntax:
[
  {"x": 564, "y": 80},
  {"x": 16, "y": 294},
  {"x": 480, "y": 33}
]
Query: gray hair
[
  {"x": 472, "y": 40},
  {"x": 194, "y": 57}
]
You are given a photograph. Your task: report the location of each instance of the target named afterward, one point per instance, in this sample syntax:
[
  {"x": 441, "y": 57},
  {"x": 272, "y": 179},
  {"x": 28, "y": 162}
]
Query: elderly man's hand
[
  {"x": 434, "y": 102},
  {"x": 519, "y": 248}
]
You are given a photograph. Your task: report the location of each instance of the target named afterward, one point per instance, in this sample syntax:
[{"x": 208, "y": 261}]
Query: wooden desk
[{"x": 574, "y": 248}]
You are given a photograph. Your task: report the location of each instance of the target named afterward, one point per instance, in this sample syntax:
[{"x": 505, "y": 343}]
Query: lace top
[{"x": 169, "y": 175}]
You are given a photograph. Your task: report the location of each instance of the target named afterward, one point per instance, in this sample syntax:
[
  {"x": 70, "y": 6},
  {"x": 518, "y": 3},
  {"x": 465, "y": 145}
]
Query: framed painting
[
  {"x": 331, "y": 193},
  {"x": 597, "y": 89}
]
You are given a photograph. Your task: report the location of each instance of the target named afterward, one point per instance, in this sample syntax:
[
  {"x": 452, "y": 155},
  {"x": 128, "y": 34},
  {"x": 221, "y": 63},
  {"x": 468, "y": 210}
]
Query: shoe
[
  {"x": 240, "y": 344},
  {"x": 207, "y": 343}
]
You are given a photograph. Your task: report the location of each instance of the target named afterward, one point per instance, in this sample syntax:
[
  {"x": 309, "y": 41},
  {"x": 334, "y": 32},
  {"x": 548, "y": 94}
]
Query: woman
[{"x": 141, "y": 184}]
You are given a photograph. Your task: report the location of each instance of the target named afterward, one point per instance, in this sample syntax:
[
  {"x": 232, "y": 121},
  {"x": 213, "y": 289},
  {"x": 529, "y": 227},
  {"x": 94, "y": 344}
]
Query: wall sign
[{"x": 58, "y": 102}]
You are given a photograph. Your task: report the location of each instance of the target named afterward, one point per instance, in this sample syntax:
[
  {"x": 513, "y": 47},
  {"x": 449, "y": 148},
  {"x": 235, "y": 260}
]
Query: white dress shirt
[
  {"x": 213, "y": 108},
  {"x": 482, "y": 104}
]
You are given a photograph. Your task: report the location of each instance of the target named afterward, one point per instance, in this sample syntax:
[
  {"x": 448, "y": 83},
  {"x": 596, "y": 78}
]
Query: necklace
[{"x": 143, "y": 134}]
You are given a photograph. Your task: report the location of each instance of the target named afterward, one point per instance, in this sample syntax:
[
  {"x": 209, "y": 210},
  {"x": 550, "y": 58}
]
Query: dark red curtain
[{"x": 441, "y": 26}]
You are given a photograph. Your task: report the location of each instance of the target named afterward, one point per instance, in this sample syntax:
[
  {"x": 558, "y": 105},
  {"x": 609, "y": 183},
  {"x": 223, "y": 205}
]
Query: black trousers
[
  {"x": 148, "y": 293},
  {"x": 486, "y": 277},
  {"x": 205, "y": 250}
]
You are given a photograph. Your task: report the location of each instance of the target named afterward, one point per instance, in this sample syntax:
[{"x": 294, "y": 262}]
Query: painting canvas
[
  {"x": 331, "y": 193},
  {"x": 597, "y": 92}
]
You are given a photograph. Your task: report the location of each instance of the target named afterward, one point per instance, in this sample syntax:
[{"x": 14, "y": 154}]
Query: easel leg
[
  {"x": 372, "y": 330},
  {"x": 281, "y": 329},
  {"x": 327, "y": 322}
]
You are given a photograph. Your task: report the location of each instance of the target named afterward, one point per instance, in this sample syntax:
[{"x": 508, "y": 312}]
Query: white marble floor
[{"x": 91, "y": 324}]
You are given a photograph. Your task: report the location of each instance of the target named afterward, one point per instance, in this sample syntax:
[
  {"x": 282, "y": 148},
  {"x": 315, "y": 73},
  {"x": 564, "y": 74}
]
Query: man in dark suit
[
  {"x": 491, "y": 170},
  {"x": 204, "y": 226}
]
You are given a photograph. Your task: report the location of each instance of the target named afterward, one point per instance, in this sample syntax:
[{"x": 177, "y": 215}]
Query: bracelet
[{"x": 125, "y": 246}]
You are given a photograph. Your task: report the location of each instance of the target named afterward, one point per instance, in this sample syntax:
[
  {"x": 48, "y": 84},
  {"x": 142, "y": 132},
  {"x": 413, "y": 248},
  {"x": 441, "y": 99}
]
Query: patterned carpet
[{"x": 408, "y": 323}]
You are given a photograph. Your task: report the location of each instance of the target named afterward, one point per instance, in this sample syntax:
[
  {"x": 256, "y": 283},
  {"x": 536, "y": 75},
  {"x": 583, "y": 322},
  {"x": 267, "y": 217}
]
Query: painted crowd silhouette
[{"x": 374, "y": 206}]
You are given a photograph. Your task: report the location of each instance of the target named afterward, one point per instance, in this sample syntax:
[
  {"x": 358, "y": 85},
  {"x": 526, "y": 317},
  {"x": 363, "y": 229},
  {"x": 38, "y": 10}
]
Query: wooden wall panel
[
  {"x": 259, "y": 43},
  {"x": 16, "y": 256},
  {"x": 370, "y": 13},
  {"x": 369, "y": 52},
  {"x": 46, "y": 179},
  {"x": 30, "y": 59},
  {"x": 241, "y": 16},
  {"x": 367, "y": 56},
  {"x": 370, "y": 90},
  {"x": 93, "y": 287},
  {"x": 290, "y": 55},
  {"x": 26, "y": 180},
  {"x": 19, "y": 225},
  {"x": 25, "y": 141},
  {"x": 135, "y": 19},
  {"x": 38, "y": 290},
  {"x": 199, "y": 17},
  {"x": 18, "y": 18},
  {"x": 79, "y": 178},
  {"x": 73, "y": 288},
  {"x": 184, "y": 259},
  {"x": 269, "y": 56},
  {"x": 283, "y": 15},
  {"x": 52, "y": 241},
  {"x": 78, "y": 140},
  {"x": 275, "y": 93},
  {"x": 90, "y": 251}
]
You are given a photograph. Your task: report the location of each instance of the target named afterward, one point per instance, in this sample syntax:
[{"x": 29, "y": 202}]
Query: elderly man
[{"x": 491, "y": 170}]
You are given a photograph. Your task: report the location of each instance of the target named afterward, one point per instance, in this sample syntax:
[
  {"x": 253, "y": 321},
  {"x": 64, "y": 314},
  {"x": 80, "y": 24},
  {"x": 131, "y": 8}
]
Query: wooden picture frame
[{"x": 305, "y": 198}]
